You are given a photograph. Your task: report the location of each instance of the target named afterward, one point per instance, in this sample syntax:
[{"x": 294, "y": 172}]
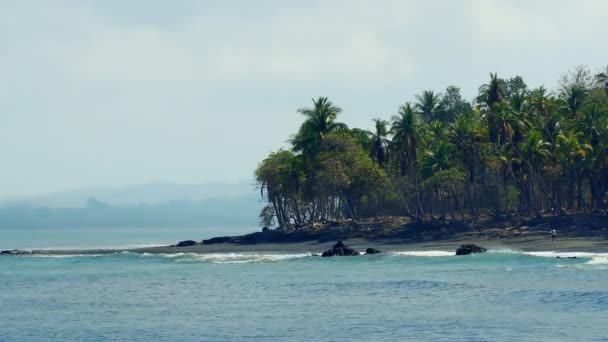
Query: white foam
[
  {"x": 554, "y": 254},
  {"x": 425, "y": 253},
  {"x": 503, "y": 251},
  {"x": 598, "y": 260},
  {"x": 234, "y": 258}
]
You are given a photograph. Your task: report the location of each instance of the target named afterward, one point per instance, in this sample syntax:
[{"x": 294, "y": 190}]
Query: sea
[{"x": 501, "y": 295}]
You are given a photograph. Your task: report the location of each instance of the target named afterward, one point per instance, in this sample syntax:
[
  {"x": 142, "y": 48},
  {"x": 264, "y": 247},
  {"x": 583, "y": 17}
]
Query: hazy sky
[{"x": 122, "y": 92}]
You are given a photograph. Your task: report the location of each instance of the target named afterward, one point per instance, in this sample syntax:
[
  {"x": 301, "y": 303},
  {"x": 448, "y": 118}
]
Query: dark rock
[
  {"x": 265, "y": 229},
  {"x": 339, "y": 249},
  {"x": 186, "y": 243},
  {"x": 221, "y": 239},
  {"x": 469, "y": 249},
  {"x": 561, "y": 257},
  {"x": 14, "y": 252},
  {"x": 373, "y": 251}
]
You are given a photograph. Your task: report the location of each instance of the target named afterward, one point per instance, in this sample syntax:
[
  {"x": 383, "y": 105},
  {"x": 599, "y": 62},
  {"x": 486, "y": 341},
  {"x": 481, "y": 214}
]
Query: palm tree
[
  {"x": 573, "y": 96},
  {"x": 489, "y": 95},
  {"x": 602, "y": 79},
  {"x": 406, "y": 138},
  {"x": 439, "y": 157},
  {"x": 535, "y": 151},
  {"x": 379, "y": 141},
  {"x": 465, "y": 133},
  {"x": 320, "y": 120},
  {"x": 428, "y": 104},
  {"x": 406, "y": 135},
  {"x": 573, "y": 154}
]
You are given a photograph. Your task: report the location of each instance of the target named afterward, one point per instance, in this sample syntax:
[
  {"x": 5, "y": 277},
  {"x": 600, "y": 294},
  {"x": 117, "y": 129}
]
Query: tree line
[{"x": 512, "y": 151}]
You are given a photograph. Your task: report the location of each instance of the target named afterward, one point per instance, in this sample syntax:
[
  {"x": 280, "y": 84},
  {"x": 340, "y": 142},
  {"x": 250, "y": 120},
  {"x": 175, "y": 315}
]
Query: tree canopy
[{"x": 511, "y": 151}]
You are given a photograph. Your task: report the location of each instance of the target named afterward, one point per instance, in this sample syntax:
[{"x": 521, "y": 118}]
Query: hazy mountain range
[{"x": 145, "y": 205}]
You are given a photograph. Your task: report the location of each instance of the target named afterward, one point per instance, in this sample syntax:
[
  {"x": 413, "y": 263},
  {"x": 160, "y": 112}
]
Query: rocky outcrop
[
  {"x": 373, "y": 251},
  {"x": 220, "y": 239},
  {"x": 339, "y": 249},
  {"x": 186, "y": 243},
  {"x": 469, "y": 249}
]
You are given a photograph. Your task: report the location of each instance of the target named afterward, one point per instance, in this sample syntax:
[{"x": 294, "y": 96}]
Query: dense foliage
[{"x": 511, "y": 151}]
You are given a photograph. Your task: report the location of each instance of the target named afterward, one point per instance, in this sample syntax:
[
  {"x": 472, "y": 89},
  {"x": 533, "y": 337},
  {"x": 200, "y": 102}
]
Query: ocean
[{"x": 501, "y": 295}]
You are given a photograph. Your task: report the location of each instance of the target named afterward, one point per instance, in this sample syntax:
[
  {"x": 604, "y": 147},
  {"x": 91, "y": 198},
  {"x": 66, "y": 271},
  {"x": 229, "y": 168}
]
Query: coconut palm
[
  {"x": 405, "y": 142},
  {"x": 320, "y": 120},
  {"x": 406, "y": 135},
  {"x": 602, "y": 79},
  {"x": 428, "y": 104},
  {"x": 573, "y": 154},
  {"x": 379, "y": 141}
]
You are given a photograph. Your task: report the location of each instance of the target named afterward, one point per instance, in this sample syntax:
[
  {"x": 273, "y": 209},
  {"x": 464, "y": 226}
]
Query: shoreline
[{"x": 524, "y": 244}]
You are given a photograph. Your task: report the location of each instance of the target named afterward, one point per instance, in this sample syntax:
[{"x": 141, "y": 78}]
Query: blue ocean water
[
  {"x": 108, "y": 238},
  {"x": 496, "y": 296}
]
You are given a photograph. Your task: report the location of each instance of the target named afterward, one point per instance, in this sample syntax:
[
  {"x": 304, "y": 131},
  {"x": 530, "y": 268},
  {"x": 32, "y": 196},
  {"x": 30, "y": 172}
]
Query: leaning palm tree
[
  {"x": 428, "y": 104},
  {"x": 320, "y": 120}
]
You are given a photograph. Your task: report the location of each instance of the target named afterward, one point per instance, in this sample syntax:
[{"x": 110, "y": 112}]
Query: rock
[
  {"x": 265, "y": 229},
  {"x": 186, "y": 243},
  {"x": 469, "y": 249},
  {"x": 221, "y": 239},
  {"x": 561, "y": 257},
  {"x": 373, "y": 251},
  {"x": 14, "y": 252},
  {"x": 339, "y": 249}
]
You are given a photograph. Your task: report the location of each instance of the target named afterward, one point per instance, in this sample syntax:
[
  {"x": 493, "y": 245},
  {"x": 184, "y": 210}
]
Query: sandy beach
[{"x": 525, "y": 244}]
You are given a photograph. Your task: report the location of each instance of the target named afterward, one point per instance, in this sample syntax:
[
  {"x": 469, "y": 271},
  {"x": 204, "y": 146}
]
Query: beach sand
[{"x": 528, "y": 243}]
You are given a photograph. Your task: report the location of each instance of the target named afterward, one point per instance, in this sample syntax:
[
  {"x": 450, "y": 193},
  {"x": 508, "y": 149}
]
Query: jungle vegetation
[{"x": 511, "y": 151}]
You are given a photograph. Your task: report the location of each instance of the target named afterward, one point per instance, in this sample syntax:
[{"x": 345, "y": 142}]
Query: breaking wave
[
  {"x": 425, "y": 253},
  {"x": 234, "y": 258}
]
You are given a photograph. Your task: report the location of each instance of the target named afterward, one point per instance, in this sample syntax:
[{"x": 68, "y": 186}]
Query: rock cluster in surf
[
  {"x": 340, "y": 249},
  {"x": 469, "y": 249}
]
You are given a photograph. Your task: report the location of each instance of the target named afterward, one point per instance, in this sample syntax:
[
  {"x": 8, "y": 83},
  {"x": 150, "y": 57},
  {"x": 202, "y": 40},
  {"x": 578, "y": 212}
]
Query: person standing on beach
[{"x": 553, "y": 234}]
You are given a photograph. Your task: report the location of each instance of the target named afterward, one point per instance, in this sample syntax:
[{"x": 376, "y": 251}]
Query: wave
[
  {"x": 598, "y": 260},
  {"x": 232, "y": 258},
  {"x": 588, "y": 259},
  {"x": 425, "y": 253},
  {"x": 555, "y": 254}
]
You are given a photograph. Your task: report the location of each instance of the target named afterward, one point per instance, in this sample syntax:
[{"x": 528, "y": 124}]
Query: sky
[{"x": 114, "y": 92}]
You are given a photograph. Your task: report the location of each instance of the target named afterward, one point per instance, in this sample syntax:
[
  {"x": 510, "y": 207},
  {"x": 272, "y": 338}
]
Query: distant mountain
[
  {"x": 148, "y": 193},
  {"x": 229, "y": 211}
]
